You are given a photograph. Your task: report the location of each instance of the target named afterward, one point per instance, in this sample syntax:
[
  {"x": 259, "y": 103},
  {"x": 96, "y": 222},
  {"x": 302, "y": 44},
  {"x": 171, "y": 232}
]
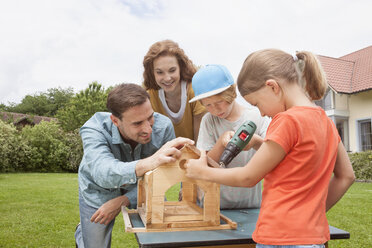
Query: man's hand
[
  {"x": 197, "y": 168},
  {"x": 109, "y": 210},
  {"x": 168, "y": 153}
]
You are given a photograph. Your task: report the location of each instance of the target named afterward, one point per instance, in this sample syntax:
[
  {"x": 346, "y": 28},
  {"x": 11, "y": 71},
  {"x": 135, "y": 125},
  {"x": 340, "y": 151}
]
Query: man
[{"x": 118, "y": 148}]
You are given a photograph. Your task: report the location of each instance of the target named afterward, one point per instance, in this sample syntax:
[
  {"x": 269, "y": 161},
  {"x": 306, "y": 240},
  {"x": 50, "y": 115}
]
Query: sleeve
[
  {"x": 265, "y": 121},
  {"x": 132, "y": 197},
  {"x": 169, "y": 132},
  {"x": 206, "y": 140},
  {"x": 105, "y": 170},
  {"x": 283, "y": 131}
]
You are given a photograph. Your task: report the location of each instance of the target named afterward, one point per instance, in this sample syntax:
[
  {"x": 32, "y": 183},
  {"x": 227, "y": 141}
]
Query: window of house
[
  {"x": 326, "y": 102},
  {"x": 365, "y": 135}
]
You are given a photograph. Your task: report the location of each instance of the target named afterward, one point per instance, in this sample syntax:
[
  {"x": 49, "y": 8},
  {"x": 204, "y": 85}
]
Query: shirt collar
[{"x": 116, "y": 137}]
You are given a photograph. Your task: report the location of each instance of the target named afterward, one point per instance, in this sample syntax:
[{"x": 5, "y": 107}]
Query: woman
[{"x": 167, "y": 78}]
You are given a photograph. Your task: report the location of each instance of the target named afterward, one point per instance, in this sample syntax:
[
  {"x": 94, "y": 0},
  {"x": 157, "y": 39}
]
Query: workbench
[{"x": 239, "y": 238}]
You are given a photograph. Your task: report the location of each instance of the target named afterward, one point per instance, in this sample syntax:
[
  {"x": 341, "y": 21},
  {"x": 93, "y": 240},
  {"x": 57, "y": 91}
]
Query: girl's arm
[
  {"x": 196, "y": 124},
  {"x": 343, "y": 177},
  {"x": 264, "y": 160}
]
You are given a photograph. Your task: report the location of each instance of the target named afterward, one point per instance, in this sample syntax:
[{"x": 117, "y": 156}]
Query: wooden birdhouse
[{"x": 158, "y": 214}]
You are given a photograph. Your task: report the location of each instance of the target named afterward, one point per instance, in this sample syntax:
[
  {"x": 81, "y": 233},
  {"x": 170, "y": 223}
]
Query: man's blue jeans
[{"x": 90, "y": 234}]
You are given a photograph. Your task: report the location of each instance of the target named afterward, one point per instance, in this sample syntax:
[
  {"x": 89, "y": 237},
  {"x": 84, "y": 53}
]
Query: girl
[
  {"x": 167, "y": 78},
  {"x": 214, "y": 87},
  {"x": 300, "y": 151}
]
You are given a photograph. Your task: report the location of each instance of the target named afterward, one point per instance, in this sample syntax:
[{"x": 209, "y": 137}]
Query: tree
[
  {"x": 82, "y": 106},
  {"x": 43, "y": 103}
]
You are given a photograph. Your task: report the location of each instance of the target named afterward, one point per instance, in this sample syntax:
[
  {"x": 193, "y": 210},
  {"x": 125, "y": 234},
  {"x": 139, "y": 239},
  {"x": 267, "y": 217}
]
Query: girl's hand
[
  {"x": 254, "y": 143},
  {"x": 196, "y": 168}
]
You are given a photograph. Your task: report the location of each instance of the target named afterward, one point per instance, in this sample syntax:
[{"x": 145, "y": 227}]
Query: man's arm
[
  {"x": 108, "y": 211},
  {"x": 168, "y": 153},
  {"x": 100, "y": 163}
]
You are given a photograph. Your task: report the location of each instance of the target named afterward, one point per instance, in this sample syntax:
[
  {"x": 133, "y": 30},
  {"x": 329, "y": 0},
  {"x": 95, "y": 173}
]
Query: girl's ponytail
[{"x": 312, "y": 74}]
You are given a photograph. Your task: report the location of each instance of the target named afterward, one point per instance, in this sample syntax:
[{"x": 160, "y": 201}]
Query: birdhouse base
[{"x": 177, "y": 217}]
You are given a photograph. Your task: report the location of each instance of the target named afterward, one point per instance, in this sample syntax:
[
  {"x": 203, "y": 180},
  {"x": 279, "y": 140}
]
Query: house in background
[
  {"x": 348, "y": 101},
  {"x": 20, "y": 120}
]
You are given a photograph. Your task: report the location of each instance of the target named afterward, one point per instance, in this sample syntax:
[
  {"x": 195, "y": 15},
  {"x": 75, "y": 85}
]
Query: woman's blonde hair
[
  {"x": 304, "y": 69},
  {"x": 165, "y": 48}
]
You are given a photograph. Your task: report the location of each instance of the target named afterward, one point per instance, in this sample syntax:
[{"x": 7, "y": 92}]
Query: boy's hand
[
  {"x": 196, "y": 168},
  {"x": 254, "y": 143},
  {"x": 226, "y": 137}
]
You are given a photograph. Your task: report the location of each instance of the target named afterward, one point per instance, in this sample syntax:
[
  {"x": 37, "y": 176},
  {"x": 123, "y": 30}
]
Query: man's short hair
[{"x": 125, "y": 96}]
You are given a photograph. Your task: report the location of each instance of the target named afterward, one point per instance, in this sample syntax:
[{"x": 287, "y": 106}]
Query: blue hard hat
[{"x": 210, "y": 80}]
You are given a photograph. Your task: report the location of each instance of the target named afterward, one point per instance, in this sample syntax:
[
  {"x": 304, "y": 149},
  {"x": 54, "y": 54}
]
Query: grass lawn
[{"x": 41, "y": 210}]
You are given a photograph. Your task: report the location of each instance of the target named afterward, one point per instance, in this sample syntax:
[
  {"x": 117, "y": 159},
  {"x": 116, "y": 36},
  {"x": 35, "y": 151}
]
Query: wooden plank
[
  {"x": 157, "y": 214},
  {"x": 212, "y": 204},
  {"x": 180, "y": 210},
  {"x": 188, "y": 191},
  {"x": 141, "y": 192},
  {"x": 127, "y": 222},
  {"x": 210, "y": 161},
  {"x": 143, "y": 215},
  {"x": 177, "y": 218},
  {"x": 149, "y": 182},
  {"x": 230, "y": 222},
  {"x": 178, "y": 229}
]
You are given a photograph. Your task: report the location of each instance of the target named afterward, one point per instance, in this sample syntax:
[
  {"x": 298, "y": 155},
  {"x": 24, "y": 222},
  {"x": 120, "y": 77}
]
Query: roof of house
[
  {"x": 17, "y": 117},
  {"x": 351, "y": 73}
]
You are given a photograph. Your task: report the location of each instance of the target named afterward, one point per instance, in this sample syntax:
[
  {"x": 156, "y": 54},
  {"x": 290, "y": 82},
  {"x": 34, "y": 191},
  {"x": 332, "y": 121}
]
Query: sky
[{"x": 49, "y": 44}]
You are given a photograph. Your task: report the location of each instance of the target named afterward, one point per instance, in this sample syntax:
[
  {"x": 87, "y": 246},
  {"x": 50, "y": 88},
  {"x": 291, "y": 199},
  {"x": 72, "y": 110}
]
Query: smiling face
[
  {"x": 217, "y": 106},
  {"x": 167, "y": 73},
  {"x": 136, "y": 123}
]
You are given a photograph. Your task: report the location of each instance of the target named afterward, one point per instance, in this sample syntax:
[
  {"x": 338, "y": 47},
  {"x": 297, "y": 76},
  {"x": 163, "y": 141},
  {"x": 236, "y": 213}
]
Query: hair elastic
[{"x": 294, "y": 57}]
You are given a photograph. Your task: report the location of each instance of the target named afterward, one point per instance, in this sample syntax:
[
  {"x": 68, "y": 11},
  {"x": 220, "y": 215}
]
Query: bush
[
  {"x": 14, "y": 151},
  {"x": 362, "y": 164},
  {"x": 52, "y": 150},
  {"x": 75, "y": 151}
]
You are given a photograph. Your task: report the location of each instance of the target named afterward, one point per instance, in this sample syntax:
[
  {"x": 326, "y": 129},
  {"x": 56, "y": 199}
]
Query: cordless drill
[{"x": 237, "y": 143}]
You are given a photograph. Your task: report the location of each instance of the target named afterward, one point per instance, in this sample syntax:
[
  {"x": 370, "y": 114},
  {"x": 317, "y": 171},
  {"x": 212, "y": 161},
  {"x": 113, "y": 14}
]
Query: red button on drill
[{"x": 242, "y": 136}]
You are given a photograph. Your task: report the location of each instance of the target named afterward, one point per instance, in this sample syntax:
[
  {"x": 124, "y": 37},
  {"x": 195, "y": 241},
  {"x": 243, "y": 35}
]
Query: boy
[{"x": 214, "y": 87}]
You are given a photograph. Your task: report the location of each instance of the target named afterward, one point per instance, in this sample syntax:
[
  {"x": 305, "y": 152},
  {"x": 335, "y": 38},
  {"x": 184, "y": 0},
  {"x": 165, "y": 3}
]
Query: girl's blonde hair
[
  {"x": 304, "y": 69},
  {"x": 165, "y": 48}
]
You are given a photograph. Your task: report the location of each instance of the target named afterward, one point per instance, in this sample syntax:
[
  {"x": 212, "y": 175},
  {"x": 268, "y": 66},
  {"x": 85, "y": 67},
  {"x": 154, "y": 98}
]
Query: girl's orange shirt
[{"x": 293, "y": 210}]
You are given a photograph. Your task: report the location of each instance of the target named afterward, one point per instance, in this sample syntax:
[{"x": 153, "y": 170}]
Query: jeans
[
  {"x": 89, "y": 234},
  {"x": 290, "y": 246}
]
